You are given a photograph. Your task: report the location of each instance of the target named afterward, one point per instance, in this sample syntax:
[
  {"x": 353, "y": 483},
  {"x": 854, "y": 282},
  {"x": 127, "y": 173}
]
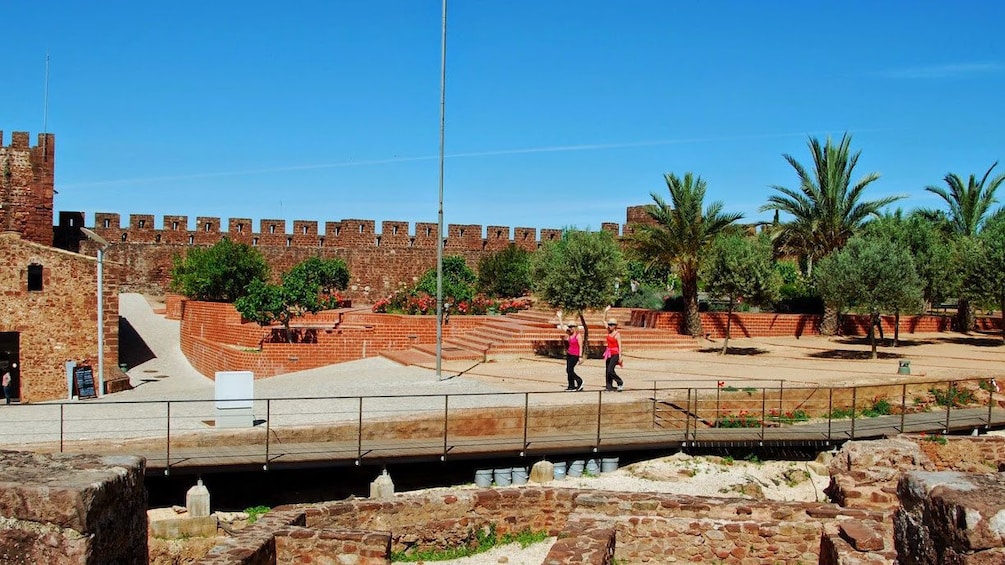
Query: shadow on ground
[
  {"x": 736, "y": 350},
  {"x": 975, "y": 341},
  {"x": 133, "y": 350},
  {"x": 888, "y": 342},
  {"x": 853, "y": 354}
]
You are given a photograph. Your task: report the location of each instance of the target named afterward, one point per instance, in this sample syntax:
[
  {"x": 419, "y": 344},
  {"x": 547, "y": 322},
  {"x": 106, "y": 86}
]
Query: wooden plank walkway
[{"x": 274, "y": 455}]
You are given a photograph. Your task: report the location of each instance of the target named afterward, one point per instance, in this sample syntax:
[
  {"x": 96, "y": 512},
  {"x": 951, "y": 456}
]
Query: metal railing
[{"x": 353, "y": 429}]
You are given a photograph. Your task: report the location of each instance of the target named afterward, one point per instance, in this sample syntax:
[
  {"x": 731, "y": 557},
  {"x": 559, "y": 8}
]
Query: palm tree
[
  {"x": 680, "y": 236},
  {"x": 826, "y": 209},
  {"x": 970, "y": 205},
  {"x": 969, "y": 210}
]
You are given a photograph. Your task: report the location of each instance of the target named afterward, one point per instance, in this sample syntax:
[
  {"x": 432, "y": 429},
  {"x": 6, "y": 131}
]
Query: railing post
[
  {"x": 903, "y": 405},
  {"x": 268, "y": 422},
  {"x": 687, "y": 417},
  {"x": 446, "y": 412},
  {"x": 991, "y": 401},
  {"x": 61, "y": 406},
  {"x": 950, "y": 400},
  {"x": 359, "y": 434},
  {"x": 167, "y": 460},
  {"x": 718, "y": 400},
  {"x": 854, "y": 400},
  {"x": 526, "y": 418},
  {"x": 654, "y": 405},
  {"x": 781, "y": 395},
  {"x": 764, "y": 407},
  {"x": 600, "y": 411},
  {"x": 830, "y": 413}
]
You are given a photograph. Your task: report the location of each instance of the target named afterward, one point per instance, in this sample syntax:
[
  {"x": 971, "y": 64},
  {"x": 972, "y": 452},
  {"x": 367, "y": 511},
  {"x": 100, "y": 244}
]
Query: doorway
[{"x": 10, "y": 358}]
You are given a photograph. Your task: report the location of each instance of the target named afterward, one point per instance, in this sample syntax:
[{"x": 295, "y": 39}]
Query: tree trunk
[
  {"x": 829, "y": 323},
  {"x": 692, "y": 319},
  {"x": 874, "y": 319},
  {"x": 729, "y": 322},
  {"x": 896, "y": 327},
  {"x": 1001, "y": 307},
  {"x": 964, "y": 315},
  {"x": 585, "y": 346}
]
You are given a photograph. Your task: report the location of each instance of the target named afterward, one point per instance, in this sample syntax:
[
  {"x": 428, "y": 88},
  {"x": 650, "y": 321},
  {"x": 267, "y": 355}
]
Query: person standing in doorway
[
  {"x": 574, "y": 353},
  {"x": 6, "y": 384},
  {"x": 612, "y": 355}
]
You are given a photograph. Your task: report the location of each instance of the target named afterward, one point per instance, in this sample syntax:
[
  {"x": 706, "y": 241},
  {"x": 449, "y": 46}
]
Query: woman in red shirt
[{"x": 613, "y": 352}]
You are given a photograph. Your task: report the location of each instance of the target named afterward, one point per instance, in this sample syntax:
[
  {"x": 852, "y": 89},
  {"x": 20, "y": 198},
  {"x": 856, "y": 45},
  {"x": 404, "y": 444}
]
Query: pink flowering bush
[{"x": 422, "y": 303}]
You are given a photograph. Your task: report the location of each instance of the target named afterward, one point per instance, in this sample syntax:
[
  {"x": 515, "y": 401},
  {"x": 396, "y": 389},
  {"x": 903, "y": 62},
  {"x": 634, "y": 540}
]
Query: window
[
  {"x": 34, "y": 278},
  {"x": 143, "y": 224},
  {"x": 106, "y": 223}
]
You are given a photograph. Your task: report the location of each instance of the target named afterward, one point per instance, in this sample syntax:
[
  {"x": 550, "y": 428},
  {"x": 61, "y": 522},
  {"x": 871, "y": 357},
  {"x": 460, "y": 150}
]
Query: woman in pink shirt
[{"x": 573, "y": 353}]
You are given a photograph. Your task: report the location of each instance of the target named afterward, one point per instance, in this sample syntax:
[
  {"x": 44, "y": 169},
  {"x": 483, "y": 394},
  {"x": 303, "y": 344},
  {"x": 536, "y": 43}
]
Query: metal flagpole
[{"x": 439, "y": 230}]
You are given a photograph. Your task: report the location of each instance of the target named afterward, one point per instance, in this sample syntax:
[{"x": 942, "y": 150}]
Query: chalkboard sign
[{"x": 83, "y": 377}]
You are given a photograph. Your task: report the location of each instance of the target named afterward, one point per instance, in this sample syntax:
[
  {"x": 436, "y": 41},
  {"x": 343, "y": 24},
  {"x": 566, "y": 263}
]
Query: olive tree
[
  {"x": 741, "y": 268},
  {"x": 578, "y": 272},
  {"x": 873, "y": 275},
  {"x": 220, "y": 273}
]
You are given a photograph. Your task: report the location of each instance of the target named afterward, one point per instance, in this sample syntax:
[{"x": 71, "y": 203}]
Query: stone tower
[{"x": 26, "y": 186}]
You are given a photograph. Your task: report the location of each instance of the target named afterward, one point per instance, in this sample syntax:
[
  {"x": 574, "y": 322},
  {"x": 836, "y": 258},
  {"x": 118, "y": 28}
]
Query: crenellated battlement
[
  {"x": 26, "y": 186},
  {"x": 350, "y": 233}
]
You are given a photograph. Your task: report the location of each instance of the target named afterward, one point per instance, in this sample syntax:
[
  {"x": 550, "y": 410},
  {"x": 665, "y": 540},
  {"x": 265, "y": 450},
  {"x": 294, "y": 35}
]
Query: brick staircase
[{"x": 522, "y": 333}]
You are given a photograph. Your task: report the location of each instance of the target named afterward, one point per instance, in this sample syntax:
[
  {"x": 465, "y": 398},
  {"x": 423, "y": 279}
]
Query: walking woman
[
  {"x": 612, "y": 355},
  {"x": 573, "y": 353}
]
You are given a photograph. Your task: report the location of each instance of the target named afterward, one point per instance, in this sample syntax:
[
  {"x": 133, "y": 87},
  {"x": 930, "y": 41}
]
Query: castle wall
[
  {"x": 26, "y": 186},
  {"x": 380, "y": 262}
]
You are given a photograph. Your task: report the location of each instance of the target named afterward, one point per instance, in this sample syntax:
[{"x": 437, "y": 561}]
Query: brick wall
[
  {"x": 215, "y": 338},
  {"x": 766, "y": 324},
  {"x": 59, "y": 322},
  {"x": 592, "y": 526}
]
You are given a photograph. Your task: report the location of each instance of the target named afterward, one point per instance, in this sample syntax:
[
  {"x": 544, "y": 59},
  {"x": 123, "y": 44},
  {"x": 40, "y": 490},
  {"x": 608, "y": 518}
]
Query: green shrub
[
  {"x": 220, "y": 273},
  {"x": 505, "y": 273},
  {"x": 879, "y": 407},
  {"x": 458, "y": 281},
  {"x": 255, "y": 512},
  {"x": 953, "y": 396},
  {"x": 741, "y": 420}
]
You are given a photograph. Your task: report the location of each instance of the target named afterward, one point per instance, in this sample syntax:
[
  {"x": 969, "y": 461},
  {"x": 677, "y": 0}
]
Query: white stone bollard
[{"x": 382, "y": 487}]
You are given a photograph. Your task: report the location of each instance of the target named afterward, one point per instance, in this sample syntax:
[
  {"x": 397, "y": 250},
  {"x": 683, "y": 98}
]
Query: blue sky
[{"x": 558, "y": 112}]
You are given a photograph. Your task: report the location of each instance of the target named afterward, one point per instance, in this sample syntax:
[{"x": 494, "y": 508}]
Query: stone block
[
  {"x": 179, "y": 528},
  {"x": 542, "y": 472},
  {"x": 72, "y": 509}
]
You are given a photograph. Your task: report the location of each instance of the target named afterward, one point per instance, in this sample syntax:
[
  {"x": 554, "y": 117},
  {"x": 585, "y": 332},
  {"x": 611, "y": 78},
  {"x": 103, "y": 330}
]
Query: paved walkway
[{"x": 163, "y": 373}]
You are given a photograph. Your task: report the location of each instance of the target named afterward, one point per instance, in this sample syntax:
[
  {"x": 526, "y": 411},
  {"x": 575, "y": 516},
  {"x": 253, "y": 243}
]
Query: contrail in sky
[{"x": 490, "y": 153}]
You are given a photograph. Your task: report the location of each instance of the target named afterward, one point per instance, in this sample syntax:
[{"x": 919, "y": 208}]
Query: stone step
[
  {"x": 408, "y": 356},
  {"x": 450, "y": 352}
]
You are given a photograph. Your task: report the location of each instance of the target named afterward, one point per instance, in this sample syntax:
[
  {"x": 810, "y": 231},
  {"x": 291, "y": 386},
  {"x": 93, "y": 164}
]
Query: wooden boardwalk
[{"x": 264, "y": 455}]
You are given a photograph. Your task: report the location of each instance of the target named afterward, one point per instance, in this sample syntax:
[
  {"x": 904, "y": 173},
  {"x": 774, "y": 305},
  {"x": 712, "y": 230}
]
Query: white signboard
[{"x": 235, "y": 392}]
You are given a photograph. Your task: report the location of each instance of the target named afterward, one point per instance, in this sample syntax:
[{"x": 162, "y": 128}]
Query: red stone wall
[
  {"x": 767, "y": 324},
  {"x": 592, "y": 526},
  {"x": 379, "y": 262},
  {"x": 26, "y": 186},
  {"x": 58, "y": 323},
  {"x": 214, "y": 338}
]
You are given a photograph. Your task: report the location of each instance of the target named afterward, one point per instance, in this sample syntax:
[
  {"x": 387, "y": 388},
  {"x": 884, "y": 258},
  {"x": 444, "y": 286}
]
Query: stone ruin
[
  {"x": 910, "y": 500},
  {"x": 72, "y": 509}
]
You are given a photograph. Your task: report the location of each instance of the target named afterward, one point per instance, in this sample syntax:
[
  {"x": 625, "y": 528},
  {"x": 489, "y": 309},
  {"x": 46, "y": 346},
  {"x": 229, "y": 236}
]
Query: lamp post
[
  {"x": 439, "y": 229},
  {"x": 102, "y": 245}
]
